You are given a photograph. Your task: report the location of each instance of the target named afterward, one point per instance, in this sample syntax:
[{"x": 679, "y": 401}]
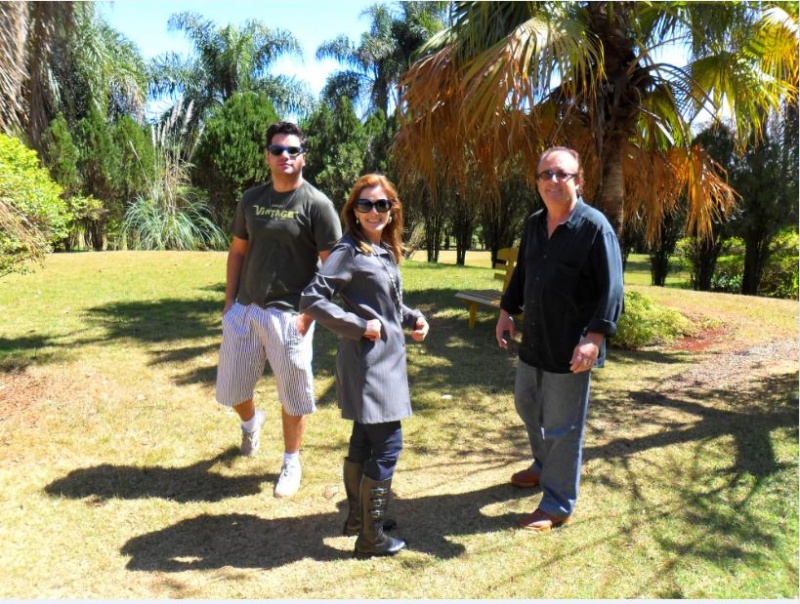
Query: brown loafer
[
  {"x": 542, "y": 521},
  {"x": 525, "y": 479}
]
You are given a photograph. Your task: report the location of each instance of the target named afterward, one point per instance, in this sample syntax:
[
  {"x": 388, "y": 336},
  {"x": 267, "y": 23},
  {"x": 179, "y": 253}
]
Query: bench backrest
[{"x": 506, "y": 261}]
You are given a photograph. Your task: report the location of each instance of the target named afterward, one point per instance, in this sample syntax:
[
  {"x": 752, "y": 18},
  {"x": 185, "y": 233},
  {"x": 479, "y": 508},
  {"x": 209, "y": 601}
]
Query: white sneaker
[
  {"x": 289, "y": 480},
  {"x": 251, "y": 441}
]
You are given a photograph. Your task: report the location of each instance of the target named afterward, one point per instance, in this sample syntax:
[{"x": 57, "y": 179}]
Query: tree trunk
[
  {"x": 463, "y": 224},
  {"x": 756, "y": 252},
  {"x": 611, "y": 194},
  {"x": 707, "y": 251},
  {"x": 661, "y": 251}
]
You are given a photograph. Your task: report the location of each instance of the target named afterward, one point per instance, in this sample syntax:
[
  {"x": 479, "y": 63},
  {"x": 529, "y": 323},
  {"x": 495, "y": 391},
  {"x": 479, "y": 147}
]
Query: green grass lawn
[{"x": 119, "y": 476}]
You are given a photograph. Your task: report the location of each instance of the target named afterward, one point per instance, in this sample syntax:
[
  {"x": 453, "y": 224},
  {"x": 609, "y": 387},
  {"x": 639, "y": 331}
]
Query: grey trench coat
[{"x": 371, "y": 377}]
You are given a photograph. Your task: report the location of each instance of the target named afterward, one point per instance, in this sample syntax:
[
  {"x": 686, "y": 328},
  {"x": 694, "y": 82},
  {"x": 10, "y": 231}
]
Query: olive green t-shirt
[{"x": 285, "y": 233}]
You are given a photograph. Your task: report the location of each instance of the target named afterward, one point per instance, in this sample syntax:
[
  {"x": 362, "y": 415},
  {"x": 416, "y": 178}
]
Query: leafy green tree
[
  {"x": 767, "y": 185},
  {"x": 758, "y": 181},
  {"x": 230, "y": 154},
  {"x": 662, "y": 249},
  {"x": 134, "y": 154},
  {"x": 32, "y": 212},
  {"x": 703, "y": 250},
  {"x": 337, "y": 143},
  {"x": 60, "y": 156},
  {"x": 96, "y": 165},
  {"x": 528, "y": 75},
  {"x": 227, "y": 60},
  {"x": 380, "y": 131}
]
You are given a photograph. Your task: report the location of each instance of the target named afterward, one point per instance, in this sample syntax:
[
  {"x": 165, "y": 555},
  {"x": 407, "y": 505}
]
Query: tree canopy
[
  {"x": 509, "y": 79},
  {"x": 227, "y": 60}
]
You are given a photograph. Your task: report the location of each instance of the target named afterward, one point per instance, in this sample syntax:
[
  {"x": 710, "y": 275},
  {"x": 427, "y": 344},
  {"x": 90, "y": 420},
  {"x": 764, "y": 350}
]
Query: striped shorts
[{"x": 251, "y": 336}]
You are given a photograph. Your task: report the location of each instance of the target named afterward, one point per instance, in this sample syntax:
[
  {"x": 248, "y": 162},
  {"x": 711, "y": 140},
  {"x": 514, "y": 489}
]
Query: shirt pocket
[{"x": 563, "y": 281}]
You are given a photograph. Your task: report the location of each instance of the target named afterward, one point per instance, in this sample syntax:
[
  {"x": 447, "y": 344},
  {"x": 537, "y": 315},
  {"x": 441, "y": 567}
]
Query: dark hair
[
  {"x": 392, "y": 234},
  {"x": 285, "y": 128}
]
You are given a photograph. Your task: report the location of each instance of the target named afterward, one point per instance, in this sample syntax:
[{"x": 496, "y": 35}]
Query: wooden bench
[{"x": 506, "y": 261}]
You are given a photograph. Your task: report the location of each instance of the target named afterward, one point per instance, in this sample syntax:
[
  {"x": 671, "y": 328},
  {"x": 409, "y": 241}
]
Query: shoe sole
[
  {"x": 545, "y": 528},
  {"x": 525, "y": 485},
  {"x": 283, "y": 494}
]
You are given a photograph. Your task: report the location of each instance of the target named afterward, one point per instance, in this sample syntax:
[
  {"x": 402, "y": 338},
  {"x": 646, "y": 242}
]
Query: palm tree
[
  {"x": 13, "y": 69},
  {"x": 228, "y": 59},
  {"x": 510, "y": 79},
  {"x": 57, "y": 57},
  {"x": 385, "y": 52}
]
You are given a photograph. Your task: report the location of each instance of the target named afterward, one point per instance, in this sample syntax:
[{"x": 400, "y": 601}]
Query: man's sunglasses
[
  {"x": 278, "y": 150},
  {"x": 561, "y": 176},
  {"x": 366, "y": 205}
]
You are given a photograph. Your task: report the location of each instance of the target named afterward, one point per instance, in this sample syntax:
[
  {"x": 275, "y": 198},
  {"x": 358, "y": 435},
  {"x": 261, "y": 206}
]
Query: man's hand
[
  {"x": 373, "y": 330},
  {"x": 505, "y": 323},
  {"x": 420, "y": 330},
  {"x": 585, "y": 354}
]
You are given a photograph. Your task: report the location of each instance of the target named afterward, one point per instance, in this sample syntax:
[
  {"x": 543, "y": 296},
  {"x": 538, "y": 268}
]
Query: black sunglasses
[
  {"x": 366, "y": 205},
  {"x": 278, "y": 150}
]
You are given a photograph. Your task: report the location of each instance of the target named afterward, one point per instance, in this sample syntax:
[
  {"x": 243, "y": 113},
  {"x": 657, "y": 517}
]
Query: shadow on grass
[
  {"x": 752, "y": 415},
  {"x": 721, "y": 498},
  {"x": 192, "y": 483},
  {"x": 245, "y": 541},
  {"x": 160, "y": 321},
  {"x": 17, "y": 354}
]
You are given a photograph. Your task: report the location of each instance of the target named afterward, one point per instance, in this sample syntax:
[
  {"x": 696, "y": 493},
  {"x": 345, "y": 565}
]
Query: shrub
[
  {"x": 172, "y": 215},
  {"x": 644, "y": 323},
  {"x": 32, "y": 213},
  {"x": 729, "y": 269}
]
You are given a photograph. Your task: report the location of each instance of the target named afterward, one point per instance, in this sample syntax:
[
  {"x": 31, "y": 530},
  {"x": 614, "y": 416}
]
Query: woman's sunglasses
[{"x": 366, "y": 205}]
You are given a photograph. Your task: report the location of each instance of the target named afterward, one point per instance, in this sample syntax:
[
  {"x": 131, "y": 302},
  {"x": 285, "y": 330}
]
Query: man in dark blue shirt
[{"x": 568, "y": 284}]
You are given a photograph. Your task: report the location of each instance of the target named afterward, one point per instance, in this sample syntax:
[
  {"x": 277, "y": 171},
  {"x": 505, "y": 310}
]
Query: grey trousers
[{"x": 553, "y": 408}]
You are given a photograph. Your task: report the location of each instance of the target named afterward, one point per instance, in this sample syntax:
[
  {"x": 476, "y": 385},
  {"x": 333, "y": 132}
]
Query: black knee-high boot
[
  {"x": 352, "y": 487},
  {"x": 371, "y": 540}
]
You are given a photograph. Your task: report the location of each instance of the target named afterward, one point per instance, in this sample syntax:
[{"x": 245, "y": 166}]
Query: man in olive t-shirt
[{"x": 280, "y": 232}]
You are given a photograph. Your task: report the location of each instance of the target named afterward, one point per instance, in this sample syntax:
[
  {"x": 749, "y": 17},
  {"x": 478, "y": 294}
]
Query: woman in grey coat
[{"x": 371, "y": 377}]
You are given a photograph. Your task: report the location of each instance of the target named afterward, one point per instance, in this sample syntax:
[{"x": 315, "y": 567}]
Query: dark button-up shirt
[{"x": 567, "y": 285}]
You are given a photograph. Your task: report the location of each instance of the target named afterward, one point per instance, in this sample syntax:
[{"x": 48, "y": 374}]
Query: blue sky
[{"x": 310, "y": 21}]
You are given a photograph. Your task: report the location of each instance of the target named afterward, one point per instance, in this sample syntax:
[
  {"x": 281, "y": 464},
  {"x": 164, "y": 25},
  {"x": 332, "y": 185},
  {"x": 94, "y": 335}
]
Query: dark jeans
[{"x": 377, "y": 447}]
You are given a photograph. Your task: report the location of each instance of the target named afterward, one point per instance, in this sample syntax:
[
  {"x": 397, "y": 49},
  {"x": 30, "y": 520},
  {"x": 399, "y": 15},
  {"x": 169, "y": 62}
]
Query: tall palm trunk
[
  {"x": 611, "y": 194},
  {"x": 13, "y": 33}
]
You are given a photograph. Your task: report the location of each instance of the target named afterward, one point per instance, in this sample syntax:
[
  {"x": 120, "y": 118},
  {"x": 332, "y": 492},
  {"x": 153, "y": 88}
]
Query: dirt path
[{"x": 730, "y": 368}]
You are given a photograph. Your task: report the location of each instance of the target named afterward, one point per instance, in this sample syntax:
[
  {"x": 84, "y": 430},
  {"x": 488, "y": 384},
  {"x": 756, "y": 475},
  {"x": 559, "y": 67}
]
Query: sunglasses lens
[
  {"x": 366, "y": 205},
  {"x": 278, "y": 150}
]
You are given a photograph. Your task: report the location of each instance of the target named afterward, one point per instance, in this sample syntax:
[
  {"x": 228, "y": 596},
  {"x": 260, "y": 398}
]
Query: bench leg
[{"x": 473, "y": 314}]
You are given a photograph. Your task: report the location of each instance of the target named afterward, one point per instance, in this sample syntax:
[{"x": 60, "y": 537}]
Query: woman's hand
[
  {"x": 373, "y": 330},
  {"x": 420, "y": 330}
]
